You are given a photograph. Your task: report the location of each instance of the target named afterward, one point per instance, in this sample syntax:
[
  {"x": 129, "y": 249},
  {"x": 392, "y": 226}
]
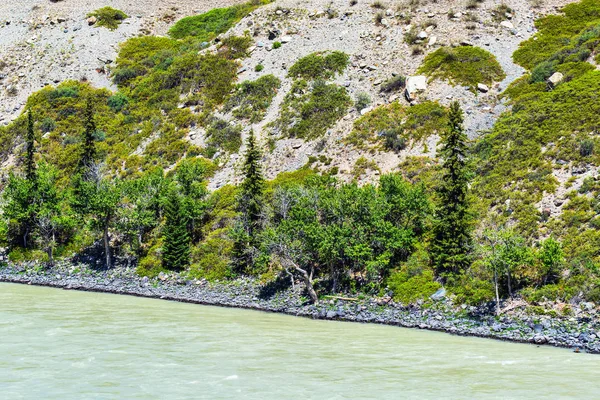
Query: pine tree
[
  {"x": 452, "y": 242},
  {"x": 176, "y": 246},
  {"x": 88, "y": 154},
  {"x": 30, "y": 174}
]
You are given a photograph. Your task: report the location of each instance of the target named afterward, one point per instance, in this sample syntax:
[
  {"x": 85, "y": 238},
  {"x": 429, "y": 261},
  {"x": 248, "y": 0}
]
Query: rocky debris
[
  {"x": 414, "y": 86},
  {"x": 92, "y": 20},
  {"x": 507, "y": 24}
]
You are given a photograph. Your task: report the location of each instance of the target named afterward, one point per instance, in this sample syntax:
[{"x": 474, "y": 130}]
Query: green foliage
[
  {"x": 223, "y": 135},
  {"x": 176, "y": 241},
  {"x": 362, "y": 165},
  {"x": 394, "y": 84},
  {"x": 560, "y": 37},
  {"x": 409, "y": 288},
  {"x": 108, "y": 17},
  {"x": 234, "y": 47},
  {"x": 259, "y": 67},
  {"x": 465, "y": 65},
  {"x": 363, "y": 100},
  {"x": 309, "y": 110},
  {"x": 388, "y": 124},
  {"x": 211, "y": 259},
  {"x": 276, "y": 45},
  {"x": 251, "y": 99},
  {"x": 250, "y": 206},
  {"x": 346, "y": 231},
  {"x": 319, "y": 65},
  {"x": 207, "y": 26},
  {"x": 452, "y": 242}
]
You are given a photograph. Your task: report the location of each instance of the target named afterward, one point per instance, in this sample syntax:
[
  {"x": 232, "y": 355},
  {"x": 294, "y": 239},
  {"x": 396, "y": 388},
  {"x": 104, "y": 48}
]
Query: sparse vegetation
[
  {"x": 319, "y": 65},
  {"x": 108, "y": 17},
  {"x": 465, "y": 65}
]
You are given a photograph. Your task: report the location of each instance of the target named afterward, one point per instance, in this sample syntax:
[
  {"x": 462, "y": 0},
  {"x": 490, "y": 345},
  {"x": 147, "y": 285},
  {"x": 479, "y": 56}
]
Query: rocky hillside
[{"x": 351, "y": 88}]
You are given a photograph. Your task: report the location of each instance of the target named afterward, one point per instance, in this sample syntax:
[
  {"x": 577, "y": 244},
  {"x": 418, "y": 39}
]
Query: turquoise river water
[{"x": 57, "y": 344}]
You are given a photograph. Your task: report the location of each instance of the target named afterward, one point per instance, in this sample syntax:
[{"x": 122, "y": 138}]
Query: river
[{"x": 59, "y": 344}]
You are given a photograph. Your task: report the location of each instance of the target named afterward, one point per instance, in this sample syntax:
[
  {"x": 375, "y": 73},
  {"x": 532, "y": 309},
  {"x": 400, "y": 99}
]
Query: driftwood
[{"x": 341, "y": 298}]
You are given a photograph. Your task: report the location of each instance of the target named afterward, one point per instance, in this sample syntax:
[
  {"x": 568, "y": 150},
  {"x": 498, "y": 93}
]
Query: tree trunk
[
  {"x": 309, "y": 286},
  {"x": 497, "y": 295},
  {"x": 107, "y": 245},
  {"x": 508, "y": 281}
]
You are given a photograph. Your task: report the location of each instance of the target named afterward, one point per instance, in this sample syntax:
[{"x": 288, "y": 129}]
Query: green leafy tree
[
  {"x": 176, "y": 247},
  {"x": 97, "y": 200},
  {"x": 53, "y": 212},
  {"x": 452, "y": 243},
  {"x": 142, "y": 207},
  {"x": 503, "y": 252},
  {"x": 550, "y": 259},
  {"x": 19, "y": 209}
]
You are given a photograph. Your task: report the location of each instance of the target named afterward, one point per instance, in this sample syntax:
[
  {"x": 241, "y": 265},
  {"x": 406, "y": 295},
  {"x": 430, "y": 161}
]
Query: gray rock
[
  {"x": 331, "y": 314},
  {"x": 483, "y": 88},
  {"x": 555, "y": 79},
  {"x": 415, "y": 85}
]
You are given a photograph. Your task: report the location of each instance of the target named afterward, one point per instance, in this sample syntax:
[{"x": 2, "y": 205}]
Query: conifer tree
[
  {"x": 30, "y": 151},
  {"x": 452, "y": 242},
  {"x": 250, "y": 206},
  {"x": 250, "y": 201},
  {"x": 88, "y": 154},
  {"x": 176, "y": 246}
]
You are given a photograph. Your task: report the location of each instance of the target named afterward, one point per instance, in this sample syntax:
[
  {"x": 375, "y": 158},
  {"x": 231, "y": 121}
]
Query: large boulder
[
  {"x": 414, "y": 86},
  {"x": 556, "y": 78}
]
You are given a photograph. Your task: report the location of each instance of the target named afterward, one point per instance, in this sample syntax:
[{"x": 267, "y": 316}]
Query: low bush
[
  {"x": 319, "y": 65},
  {"x": 251, "y": 99},
  {"x": 108, "y": 17},
  {"x": 310, "y": 109},
  {"x": 465, "y": 65}
]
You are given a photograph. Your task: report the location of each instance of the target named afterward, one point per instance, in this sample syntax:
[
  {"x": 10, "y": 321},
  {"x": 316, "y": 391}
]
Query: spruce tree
[
  {"x": 176, "y": 245},
  {"x": 452, "y": 242},
  {"x": 88, "y": 154},
  {"x": 30, "y": 174},
  {"x": 250, "y": 206},
  {"x": 250, "y": 201}
]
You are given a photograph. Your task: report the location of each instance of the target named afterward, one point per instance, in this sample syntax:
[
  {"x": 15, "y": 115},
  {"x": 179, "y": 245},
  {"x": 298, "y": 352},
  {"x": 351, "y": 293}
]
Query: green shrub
[
  {"x": 363, "y": 100},
  {"x": 19, "y": 254},
  {"x": 224, "y": 136},
  {"x": 276, "y": 45},
  {"x": 394, "y": 125},
  {"x": 362, "y": 165},
  {"x": 118, "y": 102},
  {"x": 259, "y": 68},
  {"x": 211, "y": 258},
  {"x": 560, "y": 36},
  {"x": 409, "y": 288},
  {"x": 394, "y": 84},
  {"x": 207, "y": 26},
  {"x": 309, "y": 110},
  {"x": 252, "y": 98},
  {"x": 234, "y": 47},
  {"x": 465, "y": 65},
  {"x": 319, "y": 65},
  {"x": 108, "y": 17},
  {"x": 586, "y": 148}
]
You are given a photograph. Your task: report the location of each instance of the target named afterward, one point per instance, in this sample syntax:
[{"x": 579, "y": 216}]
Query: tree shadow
[{"x": 270, "y": 289}]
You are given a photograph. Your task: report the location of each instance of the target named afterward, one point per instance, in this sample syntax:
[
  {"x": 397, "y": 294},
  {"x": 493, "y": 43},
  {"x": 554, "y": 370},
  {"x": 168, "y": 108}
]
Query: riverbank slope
[{"x": 580, "y": 332}]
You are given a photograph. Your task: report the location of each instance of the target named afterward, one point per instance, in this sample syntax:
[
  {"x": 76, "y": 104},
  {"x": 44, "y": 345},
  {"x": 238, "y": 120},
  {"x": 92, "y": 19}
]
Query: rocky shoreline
[{"x": 580, "y": 332}]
